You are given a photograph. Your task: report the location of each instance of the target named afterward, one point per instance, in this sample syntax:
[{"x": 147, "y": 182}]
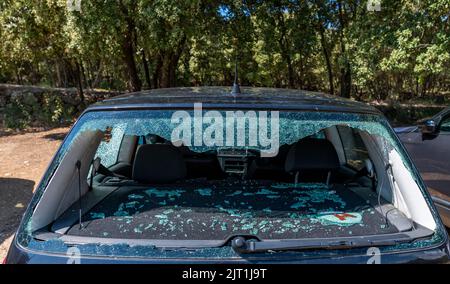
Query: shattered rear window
[{"x": 201, "y": 209}]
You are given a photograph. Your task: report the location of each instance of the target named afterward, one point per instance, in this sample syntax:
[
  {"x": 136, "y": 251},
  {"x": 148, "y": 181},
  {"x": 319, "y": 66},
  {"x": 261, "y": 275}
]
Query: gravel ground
[{"x": 25, "y": 157}]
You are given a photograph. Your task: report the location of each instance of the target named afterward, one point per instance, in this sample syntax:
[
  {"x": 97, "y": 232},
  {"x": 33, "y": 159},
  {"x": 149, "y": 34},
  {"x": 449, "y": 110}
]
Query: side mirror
[
  {"x": 429, "y": 127},
  {"x": 429, "y": 130}
]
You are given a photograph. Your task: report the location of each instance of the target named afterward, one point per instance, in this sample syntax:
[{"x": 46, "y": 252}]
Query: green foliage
[
  {"x": 18, "y": 113},
  {"x": 320, "y": 45},
  {"x": 24, "y": 110}
]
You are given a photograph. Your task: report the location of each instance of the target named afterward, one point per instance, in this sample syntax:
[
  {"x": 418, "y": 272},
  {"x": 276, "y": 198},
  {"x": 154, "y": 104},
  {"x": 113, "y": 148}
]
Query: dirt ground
[{"x": 23, "y": 160}]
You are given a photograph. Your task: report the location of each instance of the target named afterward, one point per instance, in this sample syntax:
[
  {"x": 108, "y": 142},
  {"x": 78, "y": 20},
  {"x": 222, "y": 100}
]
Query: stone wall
[{"x": 23, "y": 106}]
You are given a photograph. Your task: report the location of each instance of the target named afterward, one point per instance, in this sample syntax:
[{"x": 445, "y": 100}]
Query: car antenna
[
  {"x": 236, "y": 89},
  {"x": 80, "y": 208}
]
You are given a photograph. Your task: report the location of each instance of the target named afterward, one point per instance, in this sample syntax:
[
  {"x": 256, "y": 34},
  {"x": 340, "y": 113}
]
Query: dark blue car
[{"x": 199, "y": 175}]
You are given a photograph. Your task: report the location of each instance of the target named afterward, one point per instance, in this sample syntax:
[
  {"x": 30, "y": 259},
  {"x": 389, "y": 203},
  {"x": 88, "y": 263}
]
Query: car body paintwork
[{"x": 438, "y": 254}]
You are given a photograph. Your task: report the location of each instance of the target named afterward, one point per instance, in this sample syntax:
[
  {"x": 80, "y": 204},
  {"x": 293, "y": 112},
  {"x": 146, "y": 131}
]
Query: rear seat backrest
[
  {"x": 312, "y": 155},
  {"x": 158, "y": 163}
]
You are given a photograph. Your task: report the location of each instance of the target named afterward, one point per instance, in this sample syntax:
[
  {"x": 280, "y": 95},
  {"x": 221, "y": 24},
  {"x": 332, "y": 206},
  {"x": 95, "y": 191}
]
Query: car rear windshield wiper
[
  {"x": 242, "y": 245},
  {"x": 252, "y": 246}
]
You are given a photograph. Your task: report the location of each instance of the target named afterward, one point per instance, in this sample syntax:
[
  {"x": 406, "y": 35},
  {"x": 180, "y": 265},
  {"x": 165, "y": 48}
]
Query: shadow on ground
[
  {"x": 56, "y": 136},
  {"x": 4, "y": 132},
  {"x": 15, "y": 194}
]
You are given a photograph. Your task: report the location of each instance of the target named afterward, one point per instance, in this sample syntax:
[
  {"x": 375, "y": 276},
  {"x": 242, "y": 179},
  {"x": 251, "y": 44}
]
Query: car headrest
[
  {"x": 311, "y": 154},
  {"x": 155, "y": 139},
  {"x": 158, "y": 163}
]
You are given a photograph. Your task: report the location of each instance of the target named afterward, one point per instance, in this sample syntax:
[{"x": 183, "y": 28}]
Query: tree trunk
[
  {"x": 164, "y": 81},
  {"x": 346, "y": 77},
  {"x": 18, "y": 78},
  {"x": 284, "y": 47},
  {"x": 157, "y": 73},
  {"x": 64, "y": 66},
  {"x": 346, "y": 81},
  {"x": 79, "y": 81},
  {"x": 170, "y": 64},
  {"x": 83, "y": 74},
  {"x": 58, "y": 74},
  {"x": 327, "y": 59},
  {"x": 134, "y": 83},
  {"x": 98, "y": 75},
  {"x": 146, "y": 69}
]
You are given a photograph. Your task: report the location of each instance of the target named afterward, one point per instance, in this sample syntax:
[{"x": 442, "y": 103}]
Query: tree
[{"x": 400, "y": 52}]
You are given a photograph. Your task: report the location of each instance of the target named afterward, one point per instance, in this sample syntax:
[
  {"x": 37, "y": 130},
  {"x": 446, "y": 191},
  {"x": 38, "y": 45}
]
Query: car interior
[{"x": 325, "y": 185}]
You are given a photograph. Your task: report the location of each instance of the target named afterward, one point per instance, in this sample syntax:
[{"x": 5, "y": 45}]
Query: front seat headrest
[
  {"x": 158, "y": 163},
  {"x": 312, "y": 154},
  {"x": 155, "y": 139}
]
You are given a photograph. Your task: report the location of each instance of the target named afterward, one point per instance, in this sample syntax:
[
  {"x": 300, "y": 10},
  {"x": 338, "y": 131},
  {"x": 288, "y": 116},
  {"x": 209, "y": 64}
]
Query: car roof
[{"x": 221, "y": 97}]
